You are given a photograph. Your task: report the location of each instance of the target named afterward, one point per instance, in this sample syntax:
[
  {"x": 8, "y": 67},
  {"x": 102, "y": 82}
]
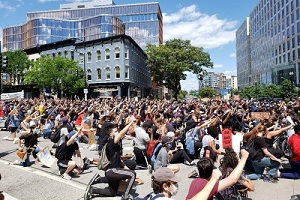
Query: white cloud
[
  {"x": 230, "y": 72},
  {"x": 1, "y": 32},
  {"x": 4, "y": 5},
  {"x": 218, "y": 66},
  {"x": 44, "y": 1},
  {"x": 232, "y": 55},
  {"x": 191, "y": 82},
  {"x": 201, "y": 29}
]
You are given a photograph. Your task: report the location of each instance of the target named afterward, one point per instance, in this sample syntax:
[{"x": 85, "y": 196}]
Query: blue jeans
[
  {"x": 260, "y": 165},
  {"x": 47, "y": 132},
  {"x": 293, "y": 173}
]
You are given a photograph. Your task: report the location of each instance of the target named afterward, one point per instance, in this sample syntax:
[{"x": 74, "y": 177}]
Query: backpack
[
  {"x": 230, "y": 193},
  {"x": 55, "y": 136},
  {"x": 60, "y": 152},
  {"x": 103, "y": 160},
  {"x": 155, "y": 152},
  {"x": 151, "y": 146},
  {"x": 150, "y": 196},
  {"x": 209, "y": 152},
  {"x": 250, "y": 148}
]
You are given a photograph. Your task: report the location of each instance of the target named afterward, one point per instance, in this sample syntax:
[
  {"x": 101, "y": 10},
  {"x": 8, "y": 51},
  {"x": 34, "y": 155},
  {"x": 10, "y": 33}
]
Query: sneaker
[
  {"x": 269, "y": 179},
  {"x": 66, "y": 176},
  {"x": 193, "y": 174},
  {"x": 16, "y": 140},
  {"x": 127, "y": 197},
  {"x": 5, "y": 138},
  {"x": 16, "y": 162}
]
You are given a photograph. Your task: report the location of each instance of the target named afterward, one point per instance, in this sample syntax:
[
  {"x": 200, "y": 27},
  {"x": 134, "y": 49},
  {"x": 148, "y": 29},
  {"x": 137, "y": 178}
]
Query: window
[
  {"x": 72, "y": 55},
  {"x": 59, "y": 53},
  {"x": 89, "y": 57},
  {"x": 107, "y": 71},
  {"x": 66, "y": 54},
  {"x": 117, "y": 72},
  {"x": 81, "y": 58},
  {"x": 98, "y": 53},
  {"x": 127, "y": 72},
  {"x": 107, "y": 54},
  {"x": 89, "y": 74},
  {"x": 126, "y": 53},
  {"x": 98, "y": 74},
  {"x": 117, "y": 53}
]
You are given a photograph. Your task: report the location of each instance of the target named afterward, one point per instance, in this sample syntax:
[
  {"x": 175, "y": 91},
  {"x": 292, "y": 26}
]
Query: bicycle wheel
[{"x": 87, "y": 193}]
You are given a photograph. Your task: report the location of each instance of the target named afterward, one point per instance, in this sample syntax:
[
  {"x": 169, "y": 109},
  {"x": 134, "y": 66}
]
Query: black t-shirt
[
  {"x": 258, "y": 144},
  {"x": 113, "y": 153},
  {"x": 30, "y": 139},
  {"x": 70, "y": 150}
]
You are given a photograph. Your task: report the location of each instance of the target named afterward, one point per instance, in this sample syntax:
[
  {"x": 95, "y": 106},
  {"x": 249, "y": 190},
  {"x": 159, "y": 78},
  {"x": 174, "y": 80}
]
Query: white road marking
[{"x": 8, "y": 197}]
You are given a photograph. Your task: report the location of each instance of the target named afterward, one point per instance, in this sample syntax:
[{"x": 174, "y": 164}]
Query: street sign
[{"x": 85, "y": 91}]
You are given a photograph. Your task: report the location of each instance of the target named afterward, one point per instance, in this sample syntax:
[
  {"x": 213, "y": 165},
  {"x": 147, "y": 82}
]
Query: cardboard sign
[
  {"x": 46, "y": 158},
  {"x": 260, "y": 115}
]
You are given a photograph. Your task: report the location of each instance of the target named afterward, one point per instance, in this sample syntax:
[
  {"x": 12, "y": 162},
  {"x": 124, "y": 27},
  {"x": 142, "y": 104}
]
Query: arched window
[
  {"x": 117, "y": 53},
  {"x": 117, "y": 72},
  {"x": 98, "y": 53},
  {"x": 107, "y": 71},
  {"x": 107, "y": 54},
  {"x": 81, "y": 58},
  {"x": 89, "y": 57},
  {"x": 89, "y": 74},
  {"x": 127, "y": 72},
  {"x": 98, "y": 74},
  {"x": 126, "y": 53}
]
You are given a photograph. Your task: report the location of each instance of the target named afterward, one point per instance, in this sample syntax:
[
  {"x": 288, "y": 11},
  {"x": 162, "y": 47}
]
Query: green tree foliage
[
  {"x": 18, "y": 64},
  {"x": 57, "y": 73},
  {"x": 207, "y": 92},
  {"x": 168, "y": 62},
  {"x": 182, "y": 94}
]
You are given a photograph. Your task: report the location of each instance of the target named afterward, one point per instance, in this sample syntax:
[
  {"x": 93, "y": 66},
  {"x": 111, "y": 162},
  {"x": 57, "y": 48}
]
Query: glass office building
[
  {"x": 87, "y": 21},
  {"x": 267, "y": 44}
]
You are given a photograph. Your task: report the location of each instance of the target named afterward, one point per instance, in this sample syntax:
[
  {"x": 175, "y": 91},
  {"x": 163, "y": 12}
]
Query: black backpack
[
  {"x": 60, "y": 152},
  {"x": 55, "y": 136}
]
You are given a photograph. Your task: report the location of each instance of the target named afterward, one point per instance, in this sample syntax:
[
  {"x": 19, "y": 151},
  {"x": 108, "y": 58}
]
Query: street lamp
[
  {"x": 85, "y": 90},
  {"x": 291, "y": 79}
]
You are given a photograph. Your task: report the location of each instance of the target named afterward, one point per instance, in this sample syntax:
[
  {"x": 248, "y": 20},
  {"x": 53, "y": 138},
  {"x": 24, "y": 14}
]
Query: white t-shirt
[
  {"x": 141, "y": 138},
  {"x": 63, "y": 133},
  {"x": 205, "y": 142}
]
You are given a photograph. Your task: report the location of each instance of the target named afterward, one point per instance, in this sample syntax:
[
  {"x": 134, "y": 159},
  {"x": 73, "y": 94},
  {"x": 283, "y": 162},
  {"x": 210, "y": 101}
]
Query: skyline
[{"x": 208, "y": 24}]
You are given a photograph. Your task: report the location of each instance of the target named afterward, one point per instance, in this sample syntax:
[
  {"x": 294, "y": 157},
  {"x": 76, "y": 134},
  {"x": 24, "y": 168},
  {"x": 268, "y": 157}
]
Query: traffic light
[{"x": 4, "y": 61}]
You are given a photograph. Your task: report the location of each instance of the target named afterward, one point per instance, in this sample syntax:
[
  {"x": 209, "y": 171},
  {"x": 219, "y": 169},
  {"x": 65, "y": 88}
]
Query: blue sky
[{"x": 210, "y": 24}]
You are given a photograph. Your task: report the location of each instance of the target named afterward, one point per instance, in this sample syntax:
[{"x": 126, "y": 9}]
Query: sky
[{"x": 210, "y": 24}]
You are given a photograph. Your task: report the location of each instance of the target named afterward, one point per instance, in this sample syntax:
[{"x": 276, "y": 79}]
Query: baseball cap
[
  {"x": 170, "y": 134},
  {"x": 165, "y": 174},
  {"x": 147, "y": 124},
  {"x": 166, "y": 140},
  {"x": 32, "y": 123},
  {"x": 64, "y": 120},
  {"x": 72, "y": 133}
]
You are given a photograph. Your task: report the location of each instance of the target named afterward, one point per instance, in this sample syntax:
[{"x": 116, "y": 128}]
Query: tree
[
  {"x": 207, "y": 92},
  {"x": 18, "y": 64},
  {"x": 182, "y": 94},
  {"x": 168, "y": 62},
  {"x": 59, "y": 73}
]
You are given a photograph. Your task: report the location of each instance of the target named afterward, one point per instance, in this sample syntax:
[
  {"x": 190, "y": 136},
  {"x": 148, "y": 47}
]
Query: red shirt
[
  {"x": 79, "y": 119},
  {"x": 294, "y": 142},
  {"x": 197, "y": 185}
]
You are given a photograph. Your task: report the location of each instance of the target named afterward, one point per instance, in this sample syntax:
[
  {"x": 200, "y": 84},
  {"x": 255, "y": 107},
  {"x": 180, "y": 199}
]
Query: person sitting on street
[
  {"x": 64, "y": 154},
  {"x": 205, "y": 168}
]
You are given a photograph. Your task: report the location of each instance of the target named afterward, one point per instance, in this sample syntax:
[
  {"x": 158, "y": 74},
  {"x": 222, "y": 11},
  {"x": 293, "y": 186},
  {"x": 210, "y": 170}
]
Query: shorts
[
  {"x": 13, "y": 129},
  {"x": 63, "y": 165}
]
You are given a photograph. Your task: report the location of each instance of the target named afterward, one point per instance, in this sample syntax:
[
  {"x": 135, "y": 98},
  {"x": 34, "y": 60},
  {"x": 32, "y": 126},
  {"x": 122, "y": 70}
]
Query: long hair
[{"x": 230, "y": 160}]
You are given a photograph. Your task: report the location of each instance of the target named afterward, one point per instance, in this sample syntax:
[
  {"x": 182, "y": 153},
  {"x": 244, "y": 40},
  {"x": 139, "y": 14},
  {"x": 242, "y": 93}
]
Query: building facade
[
  {"x": 218, "y": 81},
  {"x": 87, "y": 21},
  {"x": 268, "y": 44},
  {"x": 113, "y": 66}
]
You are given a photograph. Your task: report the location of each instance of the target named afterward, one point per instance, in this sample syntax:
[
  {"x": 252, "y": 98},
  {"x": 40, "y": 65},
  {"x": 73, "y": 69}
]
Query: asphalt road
[{"x": 39, "y": 182}]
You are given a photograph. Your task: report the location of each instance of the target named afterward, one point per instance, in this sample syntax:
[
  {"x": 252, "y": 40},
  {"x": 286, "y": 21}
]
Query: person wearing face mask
[
  {"x": 165, "y": 155},
  {"x": 28, "y": 142},
  {"x": 164, "y": 184}
]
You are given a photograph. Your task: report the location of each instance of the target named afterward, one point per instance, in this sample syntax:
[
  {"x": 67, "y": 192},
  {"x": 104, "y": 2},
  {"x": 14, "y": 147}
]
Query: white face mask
[
  {"x": 116, "y": 133},
  {"x": 175, "y": 189}
]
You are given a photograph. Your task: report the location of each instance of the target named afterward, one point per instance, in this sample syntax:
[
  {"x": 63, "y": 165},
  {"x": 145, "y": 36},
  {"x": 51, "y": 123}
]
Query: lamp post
[
  {"x": 291, "y": 79},
  {"x": 85, "y": 90}
]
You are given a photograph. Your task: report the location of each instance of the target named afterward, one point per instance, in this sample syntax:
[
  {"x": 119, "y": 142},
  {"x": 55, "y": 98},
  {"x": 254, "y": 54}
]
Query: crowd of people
[{"x": 165, "y": 133}]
